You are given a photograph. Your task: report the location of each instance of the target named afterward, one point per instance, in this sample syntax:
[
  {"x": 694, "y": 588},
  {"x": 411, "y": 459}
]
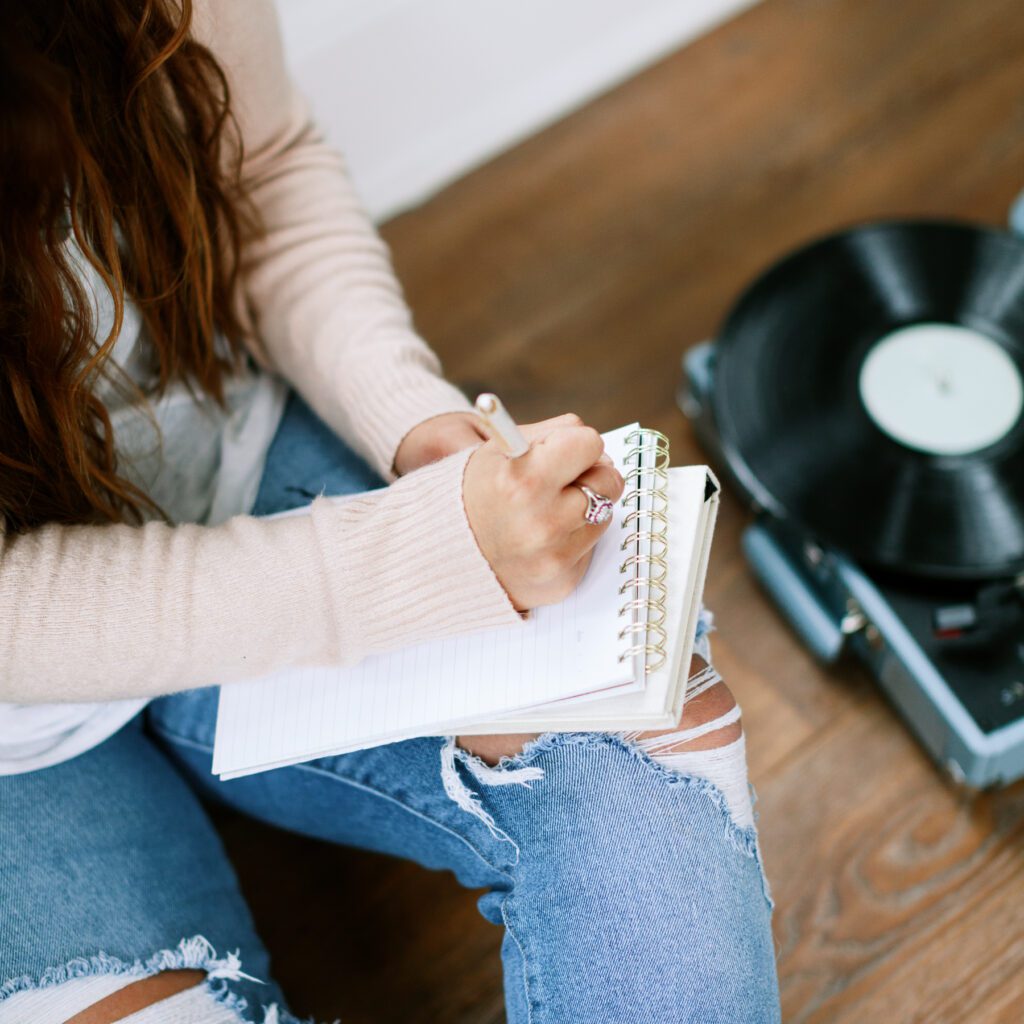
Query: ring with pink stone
[{"x": 599, "y": 508}]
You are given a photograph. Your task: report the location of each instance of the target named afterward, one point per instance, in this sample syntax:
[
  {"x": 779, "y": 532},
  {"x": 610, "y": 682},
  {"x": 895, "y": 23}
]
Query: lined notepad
[{"x": 562, "y": 663}]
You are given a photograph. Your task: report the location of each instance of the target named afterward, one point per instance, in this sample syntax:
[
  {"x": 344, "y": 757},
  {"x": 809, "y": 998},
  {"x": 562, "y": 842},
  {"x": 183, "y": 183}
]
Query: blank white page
[{"x": 560, "y": 651}]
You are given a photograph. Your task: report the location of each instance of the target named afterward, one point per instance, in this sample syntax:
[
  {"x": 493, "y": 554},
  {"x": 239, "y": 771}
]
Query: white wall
[{"x": 417, "y": 92}]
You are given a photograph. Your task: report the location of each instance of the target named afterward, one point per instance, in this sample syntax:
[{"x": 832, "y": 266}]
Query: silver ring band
[{"x": 599, "y": 508}]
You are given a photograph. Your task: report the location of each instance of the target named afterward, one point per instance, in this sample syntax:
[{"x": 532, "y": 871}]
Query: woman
[{"x": 195, "y": 311}]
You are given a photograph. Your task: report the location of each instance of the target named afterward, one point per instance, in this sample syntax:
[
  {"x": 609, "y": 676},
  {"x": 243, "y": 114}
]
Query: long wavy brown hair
[{"x": 115, "y": 126}]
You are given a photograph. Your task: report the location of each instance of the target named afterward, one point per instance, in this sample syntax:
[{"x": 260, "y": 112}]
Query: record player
[{"x": 866, "y": 397}]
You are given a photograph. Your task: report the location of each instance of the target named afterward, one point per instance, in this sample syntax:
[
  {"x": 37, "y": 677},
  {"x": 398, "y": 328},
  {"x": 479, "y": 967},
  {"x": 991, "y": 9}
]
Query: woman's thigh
[
  {"x": 307, "y": 459},
  {"x": 108, "y": 865}
]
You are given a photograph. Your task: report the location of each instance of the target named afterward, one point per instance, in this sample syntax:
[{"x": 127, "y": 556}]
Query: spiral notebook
[{"x": 614, "y": 654}]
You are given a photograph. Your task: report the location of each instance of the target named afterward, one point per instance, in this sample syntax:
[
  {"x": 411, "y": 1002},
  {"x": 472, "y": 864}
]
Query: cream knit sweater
[{"x": 93, "y": 613}]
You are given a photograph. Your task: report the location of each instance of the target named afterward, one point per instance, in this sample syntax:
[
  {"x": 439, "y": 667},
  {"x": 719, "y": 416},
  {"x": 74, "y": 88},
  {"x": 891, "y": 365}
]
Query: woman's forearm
[{"x": 107, "y": 612}]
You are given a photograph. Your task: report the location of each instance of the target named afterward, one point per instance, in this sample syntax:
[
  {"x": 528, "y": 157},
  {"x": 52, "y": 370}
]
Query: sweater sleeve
[
  {"x": 326, "y": 308},
  {"x": 93, "y": 613}
]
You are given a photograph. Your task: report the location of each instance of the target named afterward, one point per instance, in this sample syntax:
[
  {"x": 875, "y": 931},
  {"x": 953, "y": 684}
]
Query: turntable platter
[{"x": 873, "y": 385}]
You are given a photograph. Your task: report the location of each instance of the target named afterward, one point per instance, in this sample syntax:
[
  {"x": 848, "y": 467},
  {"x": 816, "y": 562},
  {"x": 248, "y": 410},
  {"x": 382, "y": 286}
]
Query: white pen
[{"x": 501, "y": 425}]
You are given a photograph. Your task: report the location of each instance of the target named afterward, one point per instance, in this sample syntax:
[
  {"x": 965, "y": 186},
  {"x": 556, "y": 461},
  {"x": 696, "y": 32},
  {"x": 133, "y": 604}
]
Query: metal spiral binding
[{"x": 646, "y": 498}]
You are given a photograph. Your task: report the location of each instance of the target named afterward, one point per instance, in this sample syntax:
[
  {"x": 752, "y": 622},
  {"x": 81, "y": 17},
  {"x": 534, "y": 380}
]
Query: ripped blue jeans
[{"x": 627, "y": 892}]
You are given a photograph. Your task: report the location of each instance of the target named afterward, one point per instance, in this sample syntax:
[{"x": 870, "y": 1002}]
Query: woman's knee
[
  {"x": 717, "y": 702},
  {"x": 700, "y": 713}
]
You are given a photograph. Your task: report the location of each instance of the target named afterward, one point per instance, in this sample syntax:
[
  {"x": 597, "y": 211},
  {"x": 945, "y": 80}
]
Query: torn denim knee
[
  {"x": 67, "y": 989},
  {"x": 724, "y": 767},
  {"x": 460, "y": 769},
  {"x": 197, "y": 1005}
]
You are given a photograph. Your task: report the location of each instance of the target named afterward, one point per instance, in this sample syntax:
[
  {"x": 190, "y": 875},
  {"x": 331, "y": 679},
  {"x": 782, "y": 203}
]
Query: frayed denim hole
[
  {"x": 195, "y": 953},
  {"x": 742, "y": 839},
  {"x": 458, "y": 791}
]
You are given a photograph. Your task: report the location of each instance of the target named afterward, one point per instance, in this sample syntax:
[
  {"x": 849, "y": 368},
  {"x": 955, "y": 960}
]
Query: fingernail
[{"x": 606, "y": 459}]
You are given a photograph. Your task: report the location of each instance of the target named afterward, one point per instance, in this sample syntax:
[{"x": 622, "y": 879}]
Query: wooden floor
[{"x": 570, "y": 274}]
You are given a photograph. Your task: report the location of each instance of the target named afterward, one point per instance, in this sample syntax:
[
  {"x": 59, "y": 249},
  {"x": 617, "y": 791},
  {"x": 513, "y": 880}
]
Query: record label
[{"x": 942, "y": 389}]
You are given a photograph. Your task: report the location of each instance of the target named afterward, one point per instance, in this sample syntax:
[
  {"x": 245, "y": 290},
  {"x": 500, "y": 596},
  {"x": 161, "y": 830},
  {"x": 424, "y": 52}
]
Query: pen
[{"x": 501, "y": 425}]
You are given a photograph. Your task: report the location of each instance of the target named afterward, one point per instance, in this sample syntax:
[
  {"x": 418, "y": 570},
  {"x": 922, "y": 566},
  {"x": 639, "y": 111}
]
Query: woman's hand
[
  {"x": 527, "y": 513},
  {"x": 437, "y": 437}
]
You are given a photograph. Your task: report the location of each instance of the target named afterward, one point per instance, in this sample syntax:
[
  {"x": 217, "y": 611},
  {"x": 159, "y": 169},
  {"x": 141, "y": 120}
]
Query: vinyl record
[{"x": 870, "y": 387}]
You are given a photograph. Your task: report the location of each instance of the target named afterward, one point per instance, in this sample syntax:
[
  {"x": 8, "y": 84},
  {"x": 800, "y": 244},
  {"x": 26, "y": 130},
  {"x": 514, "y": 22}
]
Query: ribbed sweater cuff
[
  {"x": 387, "y": 401},
  {"x": 419, "y": 575}
]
